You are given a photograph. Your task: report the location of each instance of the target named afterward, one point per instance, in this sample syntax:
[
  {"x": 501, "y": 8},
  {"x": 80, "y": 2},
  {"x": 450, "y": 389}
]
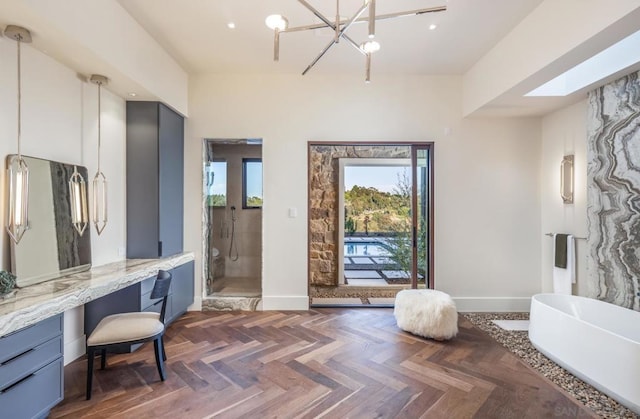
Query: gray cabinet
[
  {"x": 137, "y": 297},
  {"x": 31, "y": 370},
  {"x": 155, "y": 139}
]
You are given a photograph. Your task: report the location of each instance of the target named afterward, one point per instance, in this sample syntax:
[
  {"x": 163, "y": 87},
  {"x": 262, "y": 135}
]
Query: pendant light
[
  {"x": 17, "y": 169},
  {"x": 99, "y": 180},
  {"x": 78, "y": 201}
]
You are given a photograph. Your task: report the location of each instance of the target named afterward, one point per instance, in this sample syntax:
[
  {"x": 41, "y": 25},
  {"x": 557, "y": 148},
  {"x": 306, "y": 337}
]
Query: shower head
[{"x": 233, "y": 207}]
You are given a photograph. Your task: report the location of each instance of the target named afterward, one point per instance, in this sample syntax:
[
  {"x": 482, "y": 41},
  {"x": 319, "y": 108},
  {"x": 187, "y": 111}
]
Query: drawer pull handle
[
  {"x": 8, "y": 361},
  {"x": 6, "y": 390}
]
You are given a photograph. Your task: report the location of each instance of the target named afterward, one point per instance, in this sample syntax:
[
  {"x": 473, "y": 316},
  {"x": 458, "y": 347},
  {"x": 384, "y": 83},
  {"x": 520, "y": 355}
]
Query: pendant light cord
[
  {"x": 19, "y": 38},
  {"x": 99, "y": 127}
]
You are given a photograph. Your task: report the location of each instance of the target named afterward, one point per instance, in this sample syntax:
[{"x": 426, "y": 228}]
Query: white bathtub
[{"x": 595, "y": 341}]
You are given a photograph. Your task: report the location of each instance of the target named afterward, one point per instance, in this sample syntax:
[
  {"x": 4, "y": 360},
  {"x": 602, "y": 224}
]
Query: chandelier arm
[
  {"x": 337, "y": 24},
  {"x": 341, "y": 34},
  {"x": 315, "y": 60},
  {"x": 318, "y": 14},
  {"x": 354, "y": 44},
  {"x": 372, "y": 18},
  {"x": 367, "y": 77},
  {"x": 331, "y": 25}
]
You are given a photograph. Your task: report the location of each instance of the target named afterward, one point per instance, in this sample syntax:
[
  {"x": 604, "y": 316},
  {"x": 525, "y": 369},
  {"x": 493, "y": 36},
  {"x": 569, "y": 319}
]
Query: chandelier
[{"x": 280, "y": 24}]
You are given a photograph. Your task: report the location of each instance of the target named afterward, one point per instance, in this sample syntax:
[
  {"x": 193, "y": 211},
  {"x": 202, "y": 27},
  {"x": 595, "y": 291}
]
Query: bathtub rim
[
  {"x": 565, "y": 364},
  {"x": 580, "y": 297}
]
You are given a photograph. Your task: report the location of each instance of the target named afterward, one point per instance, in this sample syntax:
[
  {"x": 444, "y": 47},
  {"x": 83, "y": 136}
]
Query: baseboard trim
[
  {"x": 74, "y": 349},
  {"x": 492, "y": 304},
  {"x": 197, "y": 304},
  {"x": 285, "y": 302}
]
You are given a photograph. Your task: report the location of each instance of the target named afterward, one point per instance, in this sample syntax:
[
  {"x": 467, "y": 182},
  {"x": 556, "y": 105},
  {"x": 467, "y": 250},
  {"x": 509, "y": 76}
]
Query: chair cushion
[{"x": 125, "y": 327}]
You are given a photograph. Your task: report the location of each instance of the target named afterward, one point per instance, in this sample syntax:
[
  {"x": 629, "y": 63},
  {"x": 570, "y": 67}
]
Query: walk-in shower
[{"x": 232, "y": 197}]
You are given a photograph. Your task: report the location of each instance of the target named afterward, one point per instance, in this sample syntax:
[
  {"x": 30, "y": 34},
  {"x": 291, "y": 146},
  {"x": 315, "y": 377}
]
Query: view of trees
[
  {"x": 217, "y": 200},
  {"x": 370, "y": 211},
  {"x": 254, "y": 201}
]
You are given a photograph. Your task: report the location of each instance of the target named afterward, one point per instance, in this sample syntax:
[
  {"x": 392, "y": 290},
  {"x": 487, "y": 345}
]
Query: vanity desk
[{"x": 31, "y": 326}]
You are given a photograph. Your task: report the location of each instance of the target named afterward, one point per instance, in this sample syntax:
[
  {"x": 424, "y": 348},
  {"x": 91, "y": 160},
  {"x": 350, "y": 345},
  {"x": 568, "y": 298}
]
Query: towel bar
[{"x": 577, "y": 238}]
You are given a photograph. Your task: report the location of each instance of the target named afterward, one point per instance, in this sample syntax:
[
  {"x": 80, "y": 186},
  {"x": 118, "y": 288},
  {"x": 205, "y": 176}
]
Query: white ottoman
[{"x": 427, "y": 313}]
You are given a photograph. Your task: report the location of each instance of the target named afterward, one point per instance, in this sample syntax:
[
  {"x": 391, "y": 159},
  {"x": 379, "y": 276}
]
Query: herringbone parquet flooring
[{"x": 332, "y": 363}]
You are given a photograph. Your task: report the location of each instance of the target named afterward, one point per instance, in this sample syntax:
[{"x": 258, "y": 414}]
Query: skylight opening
[{"x": 617, "y": 57}]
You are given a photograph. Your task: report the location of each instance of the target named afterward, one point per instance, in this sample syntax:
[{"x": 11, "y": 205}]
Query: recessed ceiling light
[
  {"x": 231, "y": 25},
  {"x": 133, "y": 94},
  {"x": 433, "y": 26}
]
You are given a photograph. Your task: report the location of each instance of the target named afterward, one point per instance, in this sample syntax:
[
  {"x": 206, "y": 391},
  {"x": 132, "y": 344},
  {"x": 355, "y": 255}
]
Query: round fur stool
[{"x": 427, "y": 313}]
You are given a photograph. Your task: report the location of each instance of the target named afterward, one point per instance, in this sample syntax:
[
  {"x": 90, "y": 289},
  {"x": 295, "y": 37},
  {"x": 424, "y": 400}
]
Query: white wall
[
  {"x": 486, "y": 174},
  {"x": 564, "y": 132},
  {"x": 59, "y": 119}
]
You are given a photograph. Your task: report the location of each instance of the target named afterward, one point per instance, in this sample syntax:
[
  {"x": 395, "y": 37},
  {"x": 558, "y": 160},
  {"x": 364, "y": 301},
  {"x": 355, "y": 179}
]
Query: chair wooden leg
[
  {"x": 90, "y": 355},
  {"x": 103, "y": 358},
  {"x": 164, "y": 354},
  {"x": 157, "y": 346}
]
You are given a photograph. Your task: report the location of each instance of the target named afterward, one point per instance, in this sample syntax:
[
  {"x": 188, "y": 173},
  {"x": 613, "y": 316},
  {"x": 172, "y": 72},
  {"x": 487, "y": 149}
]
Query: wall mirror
[
  {"x": 566, "y": 179},
  {"x": 51, "y": 247}
]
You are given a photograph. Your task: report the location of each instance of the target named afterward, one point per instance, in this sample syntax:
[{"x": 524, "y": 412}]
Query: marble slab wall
[{"x": 614, "y": 192}]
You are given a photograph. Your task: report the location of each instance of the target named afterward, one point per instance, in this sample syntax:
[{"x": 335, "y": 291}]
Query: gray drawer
[
  {"x": 158, "y": 306},
  {"x": 146, "y": 301},
  {"x": 35, "y": 395},
  {"x": 15, "y": 369},
  {"x": 16, "y": 343},
  {"x": 147, "y": 285}
]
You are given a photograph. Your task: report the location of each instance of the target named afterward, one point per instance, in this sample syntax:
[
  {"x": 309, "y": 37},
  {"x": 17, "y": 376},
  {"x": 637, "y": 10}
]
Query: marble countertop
[{"x": 31, "y": 304}]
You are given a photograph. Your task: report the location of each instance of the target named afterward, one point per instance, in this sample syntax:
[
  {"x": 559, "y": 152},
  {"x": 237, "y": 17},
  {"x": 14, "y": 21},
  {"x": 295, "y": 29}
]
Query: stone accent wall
[
  {"x": 323, "y": 203},
  {"x": 614, "y": 192}
]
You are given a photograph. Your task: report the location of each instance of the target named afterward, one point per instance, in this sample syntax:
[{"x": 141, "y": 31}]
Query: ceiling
[{"x": 195, "y": 33}]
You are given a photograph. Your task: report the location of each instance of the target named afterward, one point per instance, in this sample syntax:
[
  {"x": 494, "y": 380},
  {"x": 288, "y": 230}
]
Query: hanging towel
[
  {"x": 564, "y": 277},
  {"x": 560, "y": 250}
]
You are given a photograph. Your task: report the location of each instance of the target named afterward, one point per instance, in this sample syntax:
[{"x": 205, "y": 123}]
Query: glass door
[{"x": 421, "y": 211}]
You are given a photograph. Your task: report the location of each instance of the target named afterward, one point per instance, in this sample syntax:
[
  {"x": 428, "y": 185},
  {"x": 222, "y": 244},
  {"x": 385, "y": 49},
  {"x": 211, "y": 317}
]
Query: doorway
[
  {"x": 233, "y": 219},
  {"x": 382, "y": 213}
]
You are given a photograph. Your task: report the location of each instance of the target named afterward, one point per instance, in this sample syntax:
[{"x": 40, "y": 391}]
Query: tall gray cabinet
[{"x": 155, "y": 139}]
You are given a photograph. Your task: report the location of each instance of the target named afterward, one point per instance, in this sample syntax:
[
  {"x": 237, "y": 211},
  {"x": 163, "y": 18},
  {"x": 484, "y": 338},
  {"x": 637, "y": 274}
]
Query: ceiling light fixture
[
  {"x": 17, "y": 169},
  {"x": 279, "y": 24},
  {"x": 432, "y": 27},
  {"x": 231, "y": 25},
  {"x": 99, "y": 180}
]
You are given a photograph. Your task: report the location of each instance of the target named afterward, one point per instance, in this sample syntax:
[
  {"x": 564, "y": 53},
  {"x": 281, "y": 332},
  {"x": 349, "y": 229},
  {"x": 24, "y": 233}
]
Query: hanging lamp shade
[{"x": 78, "y": 201}]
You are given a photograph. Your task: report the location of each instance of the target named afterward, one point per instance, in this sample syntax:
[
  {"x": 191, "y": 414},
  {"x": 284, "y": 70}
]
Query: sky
[
  {"x": 383, "y": 178},
  {"x": 219, "y": 186}
]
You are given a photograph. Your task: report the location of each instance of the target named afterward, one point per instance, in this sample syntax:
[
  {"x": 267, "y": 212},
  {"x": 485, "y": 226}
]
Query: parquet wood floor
[{"x": 331, "y": 363}]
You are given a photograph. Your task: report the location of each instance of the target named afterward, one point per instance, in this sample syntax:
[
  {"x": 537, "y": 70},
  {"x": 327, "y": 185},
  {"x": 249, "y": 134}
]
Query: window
[
  {"x": 216, "y": 183},
  {"x": 251, "y": 183}
]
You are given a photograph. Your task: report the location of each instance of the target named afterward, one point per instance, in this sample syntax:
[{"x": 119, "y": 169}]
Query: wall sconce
[
  {"x": 78, "y": 201},
  {"x": 99, "y": 180},
  {"x": 566, "y": 179},
  {"x": 17, "y": 169}
]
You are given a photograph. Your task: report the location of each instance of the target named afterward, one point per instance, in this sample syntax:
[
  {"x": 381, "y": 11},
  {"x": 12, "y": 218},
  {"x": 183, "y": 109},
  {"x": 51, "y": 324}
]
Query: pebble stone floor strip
[{"x": 518, "y": 343}]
